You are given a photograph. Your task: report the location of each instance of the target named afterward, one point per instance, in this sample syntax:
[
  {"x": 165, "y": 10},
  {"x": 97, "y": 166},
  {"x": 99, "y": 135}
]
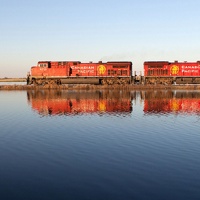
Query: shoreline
[
  {"x": 99, "y": 87},
  {"x": 12, "y": 79}
]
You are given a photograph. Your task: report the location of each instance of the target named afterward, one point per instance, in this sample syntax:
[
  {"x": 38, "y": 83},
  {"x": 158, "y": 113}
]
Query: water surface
[
  {"x": 12, "y": 83},
  {"x": 99, "y": 145}
]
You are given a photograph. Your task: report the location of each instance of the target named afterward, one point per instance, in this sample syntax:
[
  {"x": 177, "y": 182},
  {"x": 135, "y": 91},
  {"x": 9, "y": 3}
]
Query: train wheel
[
  {"x": 104, "y": 82},
  {"x": 34, "y": 82},
  {"x": 58, "y": 82}
]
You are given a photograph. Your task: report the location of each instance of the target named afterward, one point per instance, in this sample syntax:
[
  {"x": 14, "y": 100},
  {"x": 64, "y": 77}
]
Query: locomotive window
[{"x": 43, "y": 65}]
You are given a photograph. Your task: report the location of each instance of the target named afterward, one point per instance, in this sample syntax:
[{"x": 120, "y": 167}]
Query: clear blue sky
[{"x": 91, "y": 30}]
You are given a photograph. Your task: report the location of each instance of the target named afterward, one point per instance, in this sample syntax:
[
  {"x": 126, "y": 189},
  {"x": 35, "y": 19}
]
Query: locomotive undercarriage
[
  {"x": 81, "y": 80},
  {"x": 172, "y": 80},
  {"x": 114, "y": 81},
  {"x": 188, "y": 80},
  {"x": 44, "y": 81},
  {"x": 159, "y": 80}
]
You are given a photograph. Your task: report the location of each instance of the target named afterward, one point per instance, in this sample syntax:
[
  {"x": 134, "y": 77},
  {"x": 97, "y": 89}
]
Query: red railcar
[
  {"x": 163, "y": 72},
  {"x": 77, "y": 72}
]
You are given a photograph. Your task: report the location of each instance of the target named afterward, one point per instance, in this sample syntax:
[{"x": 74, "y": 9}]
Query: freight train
[
  {"x": 109, "y": 73},
  {"x": 169, "y": 73}
]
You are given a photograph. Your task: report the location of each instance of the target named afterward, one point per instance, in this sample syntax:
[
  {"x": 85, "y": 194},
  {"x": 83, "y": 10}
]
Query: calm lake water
[
  {"x": 99, "y": 145},
  {"x": 12, "y": 83}
]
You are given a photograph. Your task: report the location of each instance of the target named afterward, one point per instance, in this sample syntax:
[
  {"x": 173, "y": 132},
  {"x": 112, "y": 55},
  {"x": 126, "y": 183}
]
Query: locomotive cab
[{"x": 44, "y": 65}]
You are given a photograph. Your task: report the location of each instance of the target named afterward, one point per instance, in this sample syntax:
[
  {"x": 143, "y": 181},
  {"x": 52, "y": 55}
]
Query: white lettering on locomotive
[{"x": 83, "y": 67}]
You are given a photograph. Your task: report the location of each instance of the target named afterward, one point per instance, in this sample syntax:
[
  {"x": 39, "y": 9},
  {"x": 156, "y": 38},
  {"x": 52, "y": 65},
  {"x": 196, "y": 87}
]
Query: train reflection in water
[
  {"x": 171, "y": 101},
  {"x": 47, "y": 102}
]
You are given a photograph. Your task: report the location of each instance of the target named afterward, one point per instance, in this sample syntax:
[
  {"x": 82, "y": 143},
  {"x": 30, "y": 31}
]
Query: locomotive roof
[
  {"x": 109, "y": 62},
  {"x": 167, "y": 62},
  {"x": 156, "y": 62}
]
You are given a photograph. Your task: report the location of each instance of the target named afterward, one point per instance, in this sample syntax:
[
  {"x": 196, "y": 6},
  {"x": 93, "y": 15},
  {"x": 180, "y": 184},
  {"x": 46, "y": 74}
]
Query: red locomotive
[
  {"x": 164, "y": 72},
  {"x": 77, "y": 72}
]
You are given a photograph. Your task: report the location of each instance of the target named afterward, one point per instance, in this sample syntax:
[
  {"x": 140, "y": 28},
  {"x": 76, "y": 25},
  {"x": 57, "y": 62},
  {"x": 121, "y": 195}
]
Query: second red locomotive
[{"x": 163, "y": 72}]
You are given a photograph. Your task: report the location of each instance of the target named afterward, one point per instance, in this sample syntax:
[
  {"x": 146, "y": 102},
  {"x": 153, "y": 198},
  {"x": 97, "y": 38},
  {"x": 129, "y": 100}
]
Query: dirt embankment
[{"x": 98, "y": 87}]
